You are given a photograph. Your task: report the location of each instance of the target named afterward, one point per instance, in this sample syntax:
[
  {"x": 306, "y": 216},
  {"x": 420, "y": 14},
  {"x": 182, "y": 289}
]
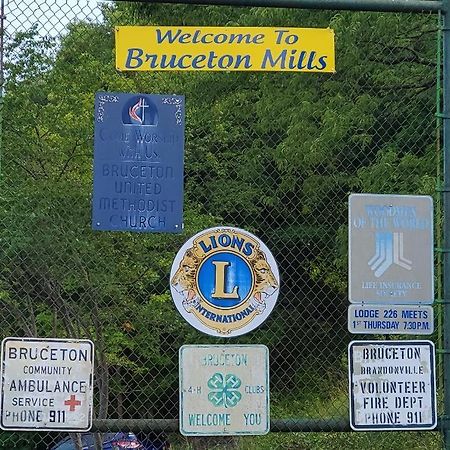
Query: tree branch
[
  {"x": 66, "y": 164},
  {"x": 29, "y": 172},
  {"x": 413, "y": 57}
]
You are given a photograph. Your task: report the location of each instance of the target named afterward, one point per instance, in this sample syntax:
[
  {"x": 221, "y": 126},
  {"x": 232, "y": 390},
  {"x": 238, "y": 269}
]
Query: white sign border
[
  {"x": 414, "y": 332},
  {"x": 432, "y": 379},
  {"x": 91, "y": 383},
  {"x": 221, "y": 347}
]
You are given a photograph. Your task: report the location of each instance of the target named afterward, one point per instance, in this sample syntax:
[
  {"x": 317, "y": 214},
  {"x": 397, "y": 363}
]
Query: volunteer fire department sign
[
  {"x": 224, "y": 281},
  {"x": 46, "y": 384}
]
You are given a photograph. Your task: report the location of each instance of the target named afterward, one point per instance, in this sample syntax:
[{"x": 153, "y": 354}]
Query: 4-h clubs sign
[{"x": 224, "y": 390}]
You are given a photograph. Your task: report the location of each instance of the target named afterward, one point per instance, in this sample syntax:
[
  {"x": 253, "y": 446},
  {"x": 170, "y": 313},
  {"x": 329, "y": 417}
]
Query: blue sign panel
[{"x": 138, "y": 162}]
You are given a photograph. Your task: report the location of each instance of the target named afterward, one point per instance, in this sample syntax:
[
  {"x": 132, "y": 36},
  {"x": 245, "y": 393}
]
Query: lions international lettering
[
  {"x": 224, "y": 241},
  {"x": 224, "y": 318},
  {"x": 224, "y": 281}
]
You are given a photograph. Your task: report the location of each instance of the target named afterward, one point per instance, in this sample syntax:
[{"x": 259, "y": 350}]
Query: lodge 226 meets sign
[{"x": 225, "y": 49}]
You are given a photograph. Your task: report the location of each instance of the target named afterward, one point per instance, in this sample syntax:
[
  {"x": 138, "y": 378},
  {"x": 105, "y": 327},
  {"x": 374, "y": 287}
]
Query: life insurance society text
[
  {"x": 392, "y": 289},
  {"x": 392, "y": 386}
]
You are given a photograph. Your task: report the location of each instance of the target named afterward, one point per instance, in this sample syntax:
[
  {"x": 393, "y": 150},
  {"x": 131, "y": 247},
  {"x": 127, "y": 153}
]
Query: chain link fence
[{"x": 276, "y": 154}]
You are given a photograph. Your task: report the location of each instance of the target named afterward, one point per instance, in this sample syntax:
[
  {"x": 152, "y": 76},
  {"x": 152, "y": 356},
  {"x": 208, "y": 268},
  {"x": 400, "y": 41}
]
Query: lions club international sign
[{"x": 224, "y": 281}]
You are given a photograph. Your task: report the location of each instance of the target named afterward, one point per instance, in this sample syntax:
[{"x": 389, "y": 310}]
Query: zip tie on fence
[
  {"x": 442, "y": 302},
  {"x": 441, "y": 250},
  {"x": 442, "y": 189},
  {"x": 443, "y": 351},
  {"x": 442, "y": 115}
]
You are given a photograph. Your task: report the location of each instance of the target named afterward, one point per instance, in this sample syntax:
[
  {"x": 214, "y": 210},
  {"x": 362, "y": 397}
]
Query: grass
[
  {"x": 330, "y": 441},
  {"x": 328, "y": 404},
  {"x": 328, "y": 399}
]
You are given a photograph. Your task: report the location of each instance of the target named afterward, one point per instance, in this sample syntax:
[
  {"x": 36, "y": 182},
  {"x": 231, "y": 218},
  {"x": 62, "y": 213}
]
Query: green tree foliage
[
  {"x": 276, "y": 154},
  {"x": 59, "y": 277}
]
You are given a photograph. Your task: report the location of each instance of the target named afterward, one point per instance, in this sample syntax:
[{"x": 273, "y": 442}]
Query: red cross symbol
[{"x": 72, "y": 402}]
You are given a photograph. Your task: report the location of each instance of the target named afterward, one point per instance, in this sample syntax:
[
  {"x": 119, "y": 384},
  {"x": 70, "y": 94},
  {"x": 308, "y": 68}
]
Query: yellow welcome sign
[{"x": 225, "y": 49}]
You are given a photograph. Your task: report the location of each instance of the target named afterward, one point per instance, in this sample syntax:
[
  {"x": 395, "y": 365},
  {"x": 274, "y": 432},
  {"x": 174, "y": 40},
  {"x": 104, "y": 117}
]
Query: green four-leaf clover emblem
[{"x": 224, "y": 390}]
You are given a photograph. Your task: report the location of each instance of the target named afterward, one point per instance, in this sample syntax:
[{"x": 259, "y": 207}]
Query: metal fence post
[
  {"x": 446, "y": 212},
  {"x": 2, "y": 78}
]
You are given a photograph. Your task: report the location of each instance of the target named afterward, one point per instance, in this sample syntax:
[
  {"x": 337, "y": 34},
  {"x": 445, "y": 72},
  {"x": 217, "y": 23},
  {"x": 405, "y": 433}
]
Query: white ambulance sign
[
  {"x": 392, "y": 385},
  {"x": 47, "y": 384}
]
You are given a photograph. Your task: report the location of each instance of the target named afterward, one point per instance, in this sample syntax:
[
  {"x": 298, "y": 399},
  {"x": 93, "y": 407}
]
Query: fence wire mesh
[{"x": 276, "y": 154}]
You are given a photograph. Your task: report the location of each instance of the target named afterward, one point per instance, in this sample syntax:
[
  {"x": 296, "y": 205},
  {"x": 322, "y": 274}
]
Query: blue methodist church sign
[{"x": 138, "y": 162}]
